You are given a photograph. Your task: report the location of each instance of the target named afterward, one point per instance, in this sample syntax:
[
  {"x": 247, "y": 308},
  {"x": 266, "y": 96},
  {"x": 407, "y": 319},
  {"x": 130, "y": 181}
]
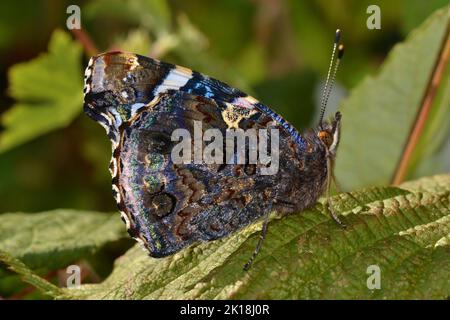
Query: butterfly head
[{"x": 329, "y": 134}]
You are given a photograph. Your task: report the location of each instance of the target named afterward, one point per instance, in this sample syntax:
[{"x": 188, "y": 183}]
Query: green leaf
[
  {"x": 417, "y": 11},
  {"x": 405, "y": 233},
  {"x": 48, "y": 90},
  {"x": 29, "y": 276},
  {"x": 136, "y": 41},
  {"x": 53, "y": 239},
  {"x": 153, "y": 15},
  {"x": 379, "y": 114},
  {"x": 435, "y": 184}
]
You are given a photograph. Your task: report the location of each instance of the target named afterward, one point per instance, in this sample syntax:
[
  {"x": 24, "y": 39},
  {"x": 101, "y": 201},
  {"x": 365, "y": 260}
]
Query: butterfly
[{"x": 168, "y": 205}]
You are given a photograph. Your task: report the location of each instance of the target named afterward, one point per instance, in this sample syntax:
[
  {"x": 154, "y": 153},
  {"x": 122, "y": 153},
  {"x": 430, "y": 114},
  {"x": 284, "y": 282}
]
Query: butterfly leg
[
  {"x": 330, "y": 177},
  {"x": 262, "y": 237},
  {"x": 339, "y": 190},
  {"x": 334, "y": 215}
]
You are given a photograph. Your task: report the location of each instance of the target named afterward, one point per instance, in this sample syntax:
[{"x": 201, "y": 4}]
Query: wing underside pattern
[{"x": 165, "y": 205}]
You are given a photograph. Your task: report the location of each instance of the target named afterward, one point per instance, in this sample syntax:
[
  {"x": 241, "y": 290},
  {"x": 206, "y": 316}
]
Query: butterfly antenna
[
  {"x": 333, "y": 76},
  {"x": 331, "y": 71}
]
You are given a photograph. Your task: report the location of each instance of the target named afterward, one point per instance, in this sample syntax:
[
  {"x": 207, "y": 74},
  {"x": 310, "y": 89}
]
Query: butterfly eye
[{"x": 325, "y": 136}]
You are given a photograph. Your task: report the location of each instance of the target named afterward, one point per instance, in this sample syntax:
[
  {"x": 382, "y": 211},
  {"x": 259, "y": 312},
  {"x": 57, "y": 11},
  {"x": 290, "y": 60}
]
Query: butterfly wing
[
  {"x": 166, "y": 204},
  {"x": 131, "y": 81},
  {"x": 172, "y": 204}
]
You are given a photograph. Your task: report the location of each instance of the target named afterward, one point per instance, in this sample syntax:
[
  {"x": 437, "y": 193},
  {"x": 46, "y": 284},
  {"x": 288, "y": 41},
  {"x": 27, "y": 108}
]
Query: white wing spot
[
  {"x": 176, "y": 79},
  {"x": 127, "y": 221},
  {"x": 245, "y": 102}
]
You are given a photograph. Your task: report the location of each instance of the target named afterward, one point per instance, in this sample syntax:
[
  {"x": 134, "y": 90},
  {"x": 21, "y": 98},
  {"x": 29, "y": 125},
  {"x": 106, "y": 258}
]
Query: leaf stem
[
  {"x": 427, "y": 101},
  {"x": 83, "y": 37}
]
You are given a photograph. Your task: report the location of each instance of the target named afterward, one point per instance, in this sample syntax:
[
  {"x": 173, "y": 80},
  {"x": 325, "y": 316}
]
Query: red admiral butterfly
[{"x": 167, "y": 204}]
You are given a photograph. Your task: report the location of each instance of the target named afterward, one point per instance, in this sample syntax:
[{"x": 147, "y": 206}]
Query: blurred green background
[{"x": 277, "y": 51}]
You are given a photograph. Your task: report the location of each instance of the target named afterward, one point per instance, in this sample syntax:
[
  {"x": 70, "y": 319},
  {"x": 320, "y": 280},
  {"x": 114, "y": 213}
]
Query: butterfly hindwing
[{"x": 171, "y": 205}]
